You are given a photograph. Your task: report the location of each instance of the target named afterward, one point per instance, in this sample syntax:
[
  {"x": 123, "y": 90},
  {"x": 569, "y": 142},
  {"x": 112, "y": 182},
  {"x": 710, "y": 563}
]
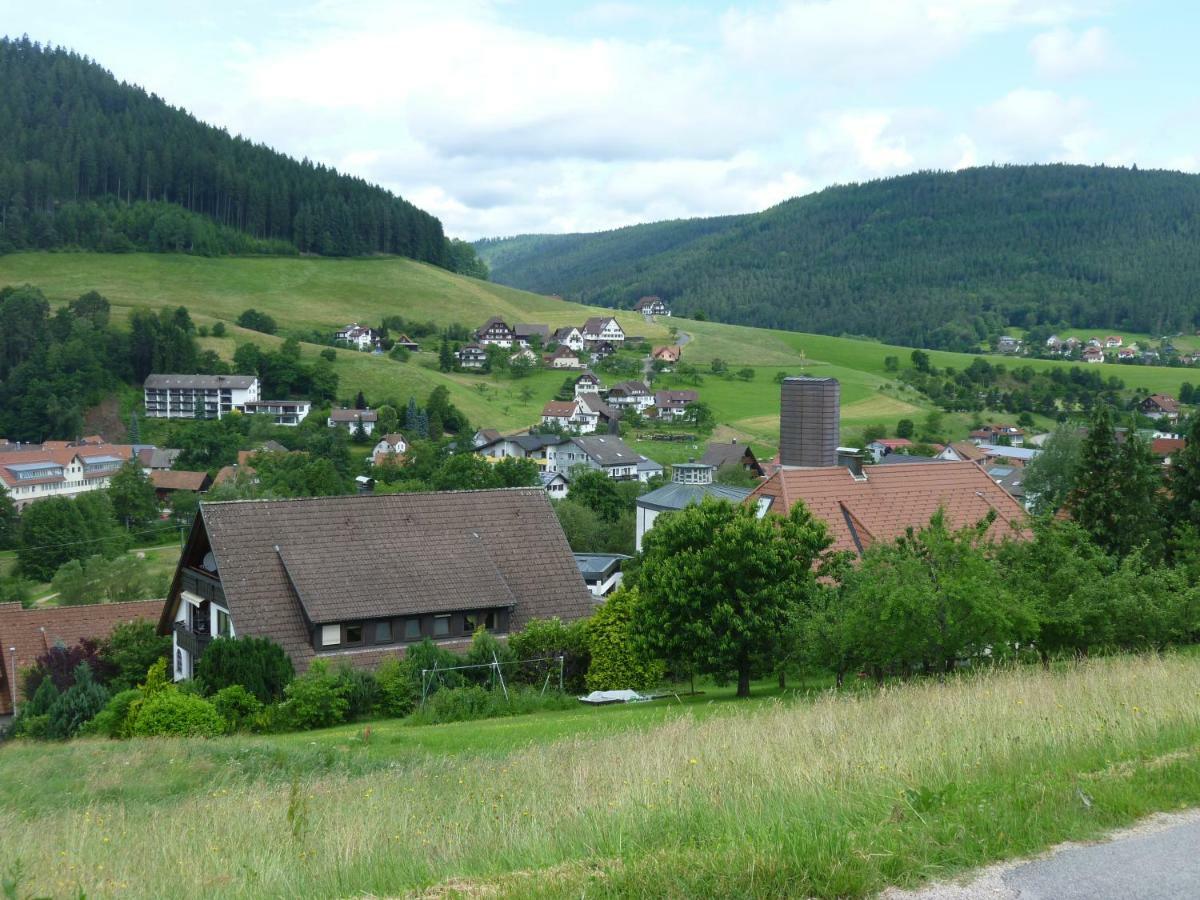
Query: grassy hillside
[
  {"x": 793, "y": 796},
  {"x": 937, "y": 259},
  {"x": 320, "y": 293}
]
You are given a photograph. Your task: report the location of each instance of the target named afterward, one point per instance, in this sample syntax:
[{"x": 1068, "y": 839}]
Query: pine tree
[
  {"x": 445, "y": 357},
  {"x": 135, "y": 430},
  {"x": 410, "y": 416}
]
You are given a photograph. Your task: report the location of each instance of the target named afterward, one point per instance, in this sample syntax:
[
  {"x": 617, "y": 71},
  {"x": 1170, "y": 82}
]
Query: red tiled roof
[
  {"x": 60, "y": 453},
  {"x": 892, "y": 499},
  {"x": 560, "y": 408},
  {"x": 172, "y": 480},
  {"x": 1166, "y": 446},
  {"x": 25, "y": 634}
]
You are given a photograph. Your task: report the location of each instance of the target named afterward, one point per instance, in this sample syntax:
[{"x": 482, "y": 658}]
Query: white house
[
  {"x": 198, "y": 396},
  {"x": 472, "y": 356},
  {"x": 495, "y": 331},
  {"x": 285, "y": 412},
  {"x": 690, "y": 484},
  {"x": 601, "y": 571},
  {"x": 570, "y": 336},
  {"x": 525, "y": 354},
  {"x": 603, "y": 330},
  {"x": 358, "y": 336},
  {"x": 571, "y": 415},
  {"x": 587, "y": 383},
  {"x": 61, "y": 468},
  {"x": 630, "y": 395},
  {"x": 563, "y": 358},
  {"x": 349, "y": 419},
  {"x": 524, "y": 334},
  {"x": 652, "y": 306},
  {"x": 673, "y": 404},
  {"x": 389, "y": 446},
  {"x": 606, "y": 453},
  {"x": 556, "y": 484}
]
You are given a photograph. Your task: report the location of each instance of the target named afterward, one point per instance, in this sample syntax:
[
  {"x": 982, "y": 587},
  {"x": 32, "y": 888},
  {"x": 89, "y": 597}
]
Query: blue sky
[{"x": 511, "y": 117}]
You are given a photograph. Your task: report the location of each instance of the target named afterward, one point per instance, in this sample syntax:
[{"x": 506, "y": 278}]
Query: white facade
[
  {"x": 190, "y": 615},
  {"x": 580, "y": 418},
  {"x": 285, "y": 412},
  {"x": 358, "y": 337},
  {"x": 87, "y": 470},
  {"x": 349, "y": 419},
  {"x": 570, "y": 337},
  {"x": 178, "y": 396},
  {"x": 389, "y": 445},
  {"x": 604, "y": 330}
]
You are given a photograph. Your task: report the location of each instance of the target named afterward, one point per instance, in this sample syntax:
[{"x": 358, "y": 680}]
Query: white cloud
[
  {"x": 864, "y": 139},
  {"x": 1027, "y": 125},
  {"x": 1062, "y": 53},
  {"x": 862, "y": 40}
]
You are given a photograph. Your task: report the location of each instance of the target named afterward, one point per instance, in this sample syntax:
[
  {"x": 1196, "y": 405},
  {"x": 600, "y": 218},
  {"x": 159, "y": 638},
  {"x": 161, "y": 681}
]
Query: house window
[
  {"x": 224, "y": 624},
  {"x": 489, "y": 621},
  {"x": 412, "y": 630},
  {"x": 441, "y": 626},
  {"x": 331, "y": 635},
  {"x": 383, "y": 632},
  {"x": 470, "y": 622},
  {"x": 353, "y": 635}
]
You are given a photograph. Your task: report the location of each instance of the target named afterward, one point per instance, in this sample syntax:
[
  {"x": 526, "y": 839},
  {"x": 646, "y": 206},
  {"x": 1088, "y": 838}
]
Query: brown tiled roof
[
  {"x": 59, "y": 453},
  {"x": 353, "y": 415},
  {"x": 388, "y": 554},
  {"x": 596, "y": 324},
  {"x": 1162, "y": 447},
  {"x": 731, "y": 454},
  {"x": 892, "y": 499},
  {"x": 34, "y": 631},
  {"x": 668, "y": 353},
  {"x": 172, "y": 480},
  {"x": 1162, "y": 401},
  {"x": 228, "y": 473},
  {"x": 560, "y": 408},
  {"x": 968, "y": 450}
]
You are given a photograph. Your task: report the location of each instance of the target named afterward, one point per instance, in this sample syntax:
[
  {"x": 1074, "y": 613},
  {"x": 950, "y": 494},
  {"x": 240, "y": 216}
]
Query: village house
[
  {"x": 587, "y": 383},
  {"x": 62, "y": 468},
  {"x": 389, "y": 448},
  {"x": 630, "y": 395},
  {"x": 1008, "y": 344},
  {"x": 690, "y": 484},
  {"x": 528, "y": 445},
  {"x": 672, "y": 405},
  {"x": 571, "y": 415},
  {"x": 526, "y": 335},
  {"x": 472, "y": 356},
  {"x": 963, "y": 451},
  {"x": 1093, "y": 355},
  {"x": 668, "y": 355},
  {"x": 600, "y": 330},
  {"x": 731, "y": 456},
  {"x": 198, "y": 396},
  {"x": 601, "y": 572},
  {"x": 25, "y": 634},
  {"x": 351, "y": 418},
  {"x": 289, "y": 413},
  {"x": 525, "y": 354},
  {"x": 1009, "y": 435},
  {"x": 170, "y": 481},
  {"x": 407, "y": 343},
  {"x": 563, "y": 358},
  {"x": 887, "y": 446},
  {"x": 357, "y": 579},
  {"x": 861, "y": 505},
  {"x": 570, "y": 336},
  {"x": 153, "y": 458},
  {"x": 1113, "y": 341},
  {"x": 1160, "y": 406},
  {"x": 358, "y": 336},
  {"x": 605, "y": 453},
  {"x": 495, "y": 331},
  {"x": 1126, "y": 353},
  {"x": 652, "y": 306},
  {"x": 555, "y": 484}
]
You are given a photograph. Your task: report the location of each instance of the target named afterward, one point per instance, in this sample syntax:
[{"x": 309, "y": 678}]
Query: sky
[{"x": 504, "y": 117}]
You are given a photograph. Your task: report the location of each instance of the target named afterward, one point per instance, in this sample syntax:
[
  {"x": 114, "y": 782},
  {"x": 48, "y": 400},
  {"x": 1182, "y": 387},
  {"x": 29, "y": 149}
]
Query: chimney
[
  {"x": 851, "y": 459},
  {"x": 808, "y": 422}
]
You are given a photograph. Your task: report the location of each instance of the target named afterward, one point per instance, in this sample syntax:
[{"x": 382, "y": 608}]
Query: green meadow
[
  {"x": 308, "y": 293},
  {"x": 811, "y": 793}
]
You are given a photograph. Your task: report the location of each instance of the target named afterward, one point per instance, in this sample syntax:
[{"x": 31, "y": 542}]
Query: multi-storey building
[{"x": 198, "y": 396}]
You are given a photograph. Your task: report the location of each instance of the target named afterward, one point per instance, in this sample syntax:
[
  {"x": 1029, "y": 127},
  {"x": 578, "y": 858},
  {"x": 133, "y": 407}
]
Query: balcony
[
  {"x": 193, "y": 642},
  {"x": 204, "y": 584}
]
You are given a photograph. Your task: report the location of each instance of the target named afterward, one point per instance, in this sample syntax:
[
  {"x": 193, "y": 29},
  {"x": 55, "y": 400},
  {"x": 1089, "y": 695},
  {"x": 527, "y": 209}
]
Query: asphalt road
[{"x": 1158, "y": 860}]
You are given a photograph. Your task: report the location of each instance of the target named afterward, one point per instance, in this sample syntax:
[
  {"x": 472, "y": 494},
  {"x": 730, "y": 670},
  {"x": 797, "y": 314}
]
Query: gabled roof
[
  {"x": 718, "y": 455},
  {"x": 284, "y": 564},
  {"x": 560, "y": 409},
  {"x": 53, "y": 456},
  {"x": 666, "y": 397},
  {"x": 562, "y": 352},
  {"x": 892, "y": 499},
  {"x": 679, "y": 496},
  {"x": 524, "y": 330},
  {"x": 34, "y": 631},
  {"x": 353, "y": 415},
  {"x": 629, "y": 388},
  {"x": 647, "y": 302},
  {"x": 607, "y": 450},
  {"x": 237, "y": 382},
  {"x": 394, "y": 438},
  {"x": 565, "y": 331},
  {"x": 1162, "y": 401},
  {"x": 968, "y": 451},
  {"x": 174, "y": 480},
  {"x": 596, "y": 324}
]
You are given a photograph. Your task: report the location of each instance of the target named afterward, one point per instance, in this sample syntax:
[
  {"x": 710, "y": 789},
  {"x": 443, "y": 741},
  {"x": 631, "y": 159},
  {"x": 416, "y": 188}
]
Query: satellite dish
[{"x": 209, "y": 563}]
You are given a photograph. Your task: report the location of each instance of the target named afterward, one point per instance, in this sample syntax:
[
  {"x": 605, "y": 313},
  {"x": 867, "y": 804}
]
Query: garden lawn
[{"x": 834, "y": 796}]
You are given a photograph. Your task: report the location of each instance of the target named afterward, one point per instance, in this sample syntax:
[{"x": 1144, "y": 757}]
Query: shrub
[
  {"x": 130, "y": 650},
  {"x": 77, "y": 705},
  {"x": 552, "y": 638},
  {"x": 115, "y": 721},
  {"x": 361, "y": 691},
  {"x": 428, "y": 655},
  {"x": 218, "y": 329},
  {"x": 32, "y": 719},
  {"x": 257, "y": 664},
  {"x": 617, "y": 662},
  {"x": 60, "y": 664},
  {"x": 257, "y": 321},
  {"x": 472, "y": 701},
  {"x": 397, "y": 686},
  {"x": 237, "y": 706},
  {"x": 316, "y": 699},
  {"x": 176, "y": 714},
  {"x": 484, "y": 650}
]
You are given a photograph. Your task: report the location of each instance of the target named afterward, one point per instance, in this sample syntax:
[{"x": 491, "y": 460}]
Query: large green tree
[
  {"x": 132, "y": 495},
  {"x": 1050, "y": 477},
  {"x": 719, "y": 585}
]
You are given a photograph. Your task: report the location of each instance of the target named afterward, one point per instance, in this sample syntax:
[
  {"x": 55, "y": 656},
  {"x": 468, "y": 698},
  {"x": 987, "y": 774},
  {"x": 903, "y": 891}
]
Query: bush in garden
[
  {"x": 114, "y": 720},
  {"x": 399, "y": 686},
  {"x": 484, "y": 649},
  {"x": 130, "y": 650},
  {"x": 316, "y": 699},
  {"x": 60, "y": 665},
  {"x": 77, "y": 705},
  {"x": 176, "y": 714},
  {"x": 617, "y": 662},
  {"x": 257, "y": 664},
  {"x": 32, "y": 719},
  {"x": 237, "y": 706},
  {"x": 472, "y": 701},
  {"x": 428, "y": 655},
  {"x": 551, "y": 638},
  {"x": 361, "y": 691}
]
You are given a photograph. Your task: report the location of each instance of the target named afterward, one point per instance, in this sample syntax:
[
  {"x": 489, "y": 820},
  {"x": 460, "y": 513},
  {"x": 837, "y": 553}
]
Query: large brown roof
[
  {"x": 176, "y": 480},
  {"x": 892, "y": 499},
  {"x": 31, "y": 632},
  {"x": 58, "y": 453},
  {"x": 364, "y": 556}
]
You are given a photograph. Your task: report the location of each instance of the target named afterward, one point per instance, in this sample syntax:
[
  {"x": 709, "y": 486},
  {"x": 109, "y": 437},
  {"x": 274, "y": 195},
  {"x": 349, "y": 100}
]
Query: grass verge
[{"x": 836, "y": 797}]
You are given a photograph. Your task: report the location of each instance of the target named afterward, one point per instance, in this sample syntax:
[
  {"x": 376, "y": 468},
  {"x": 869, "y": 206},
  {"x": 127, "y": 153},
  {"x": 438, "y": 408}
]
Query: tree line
[
  {"x": 932, "y": 259},
  {"x": 90, "y": 162}
]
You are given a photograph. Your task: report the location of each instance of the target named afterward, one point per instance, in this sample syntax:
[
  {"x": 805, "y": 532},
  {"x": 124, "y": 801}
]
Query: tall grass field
[{"x": 832, "y": 796}]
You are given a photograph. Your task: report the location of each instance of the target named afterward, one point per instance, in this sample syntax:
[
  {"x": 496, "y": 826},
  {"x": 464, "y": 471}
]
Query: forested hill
[
  {"x": 928, "y": 260},
  {"x": 91, "y": 162}
]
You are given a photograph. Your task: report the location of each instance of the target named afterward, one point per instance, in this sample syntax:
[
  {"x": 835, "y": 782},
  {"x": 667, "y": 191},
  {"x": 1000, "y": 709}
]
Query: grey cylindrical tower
[{"x": 808, "y": 421}]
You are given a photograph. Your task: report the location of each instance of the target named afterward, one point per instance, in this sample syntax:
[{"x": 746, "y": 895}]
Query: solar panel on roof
[
  {"x": 101, "y": 459},
  {"x": 32, "y": 467}
]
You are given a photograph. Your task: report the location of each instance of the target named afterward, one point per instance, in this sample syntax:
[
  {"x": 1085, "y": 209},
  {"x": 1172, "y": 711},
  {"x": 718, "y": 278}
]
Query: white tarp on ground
[{"x": 613, "y": 697}]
